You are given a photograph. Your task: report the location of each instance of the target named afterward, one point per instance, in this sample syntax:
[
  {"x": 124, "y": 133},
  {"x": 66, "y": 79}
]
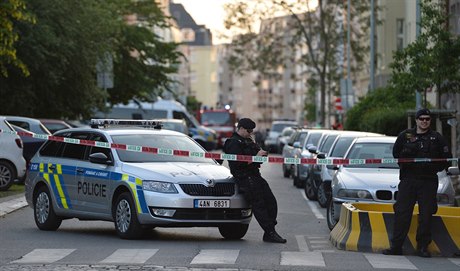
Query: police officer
[
  {"x": 247, "y": 174},
  {"x": 418, "y": 182}
]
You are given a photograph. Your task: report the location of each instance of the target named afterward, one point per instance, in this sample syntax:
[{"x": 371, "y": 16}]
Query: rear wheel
[
  {"x": 324, "y": 194},
  {"x": 233, "y": 231},
  {"x": 331, "y": 222},
  {"x": 125, "y": 218},
  {"x": 7, "y": 175},
  {"x": 286, "y": 171},
  {"x": 45, "y": 217},
  {"x": 310, "y": 190}
]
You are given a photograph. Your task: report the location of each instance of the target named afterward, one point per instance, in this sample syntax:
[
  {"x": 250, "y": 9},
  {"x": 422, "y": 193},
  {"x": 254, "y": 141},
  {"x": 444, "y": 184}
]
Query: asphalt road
[{"x": 93, "y": 245}]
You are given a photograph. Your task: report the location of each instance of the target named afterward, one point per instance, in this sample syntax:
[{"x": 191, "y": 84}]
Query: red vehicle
[{"x": 220, "y": 120}]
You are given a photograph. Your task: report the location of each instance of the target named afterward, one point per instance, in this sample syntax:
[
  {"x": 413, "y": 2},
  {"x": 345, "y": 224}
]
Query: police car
[{"x": 139, "y": 178}]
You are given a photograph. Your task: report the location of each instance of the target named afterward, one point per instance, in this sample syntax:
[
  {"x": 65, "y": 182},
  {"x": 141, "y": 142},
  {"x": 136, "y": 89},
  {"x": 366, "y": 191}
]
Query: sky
[{"x": 208, "y": 12}]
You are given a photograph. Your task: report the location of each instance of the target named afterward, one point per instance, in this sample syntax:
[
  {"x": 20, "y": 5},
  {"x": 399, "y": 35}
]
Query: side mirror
[
  {"x": 313, "y": 149},
  {"x": 321, "y": 155},
  {"x": 296, "y": 145},
  {"x": 333, "y": 167},
  {"x": 453, "y": 171},
  {"x": 100, "y": 158}
]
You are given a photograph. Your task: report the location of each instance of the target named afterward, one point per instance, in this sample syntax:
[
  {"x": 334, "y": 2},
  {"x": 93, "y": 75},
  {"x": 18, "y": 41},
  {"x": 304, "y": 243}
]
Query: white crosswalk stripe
[
  {"x": 129, "y": 256},
  {"x": 455, "y": 261},
  {"x": 390, "y": 262},
  {"x": 44, "y": 256},
  {"x": 304, "y": 257},
  {"x": 216, "y": 256}
]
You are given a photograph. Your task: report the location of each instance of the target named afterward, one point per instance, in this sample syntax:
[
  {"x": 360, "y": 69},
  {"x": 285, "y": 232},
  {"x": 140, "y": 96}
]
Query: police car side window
[
  {"x": 75, "y": 151},
  {"x": 53, "y": 148}
]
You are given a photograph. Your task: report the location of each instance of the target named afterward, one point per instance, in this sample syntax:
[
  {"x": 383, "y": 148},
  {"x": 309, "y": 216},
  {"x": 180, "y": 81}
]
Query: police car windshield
[{"x": 170, "y": 142}]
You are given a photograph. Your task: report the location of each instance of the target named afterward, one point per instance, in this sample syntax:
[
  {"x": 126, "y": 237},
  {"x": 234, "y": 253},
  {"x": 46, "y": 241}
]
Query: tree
[
  {"x": 432, "y": 61},
  {"x": 62, "y": 49},
  {"x": 11, "y": 11},
  {"x": 320, "y": 31}
]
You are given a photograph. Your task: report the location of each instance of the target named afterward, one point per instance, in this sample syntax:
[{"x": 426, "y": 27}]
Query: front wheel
[
  {"x": 45, "y": 217},
  {"x": 233, "y": 231},
  {"x": 331, "y": 222},
  {"x": 324, "y": 194},
  {"x": 309, "y": 189},
  {"x": 125, "y": 218}
]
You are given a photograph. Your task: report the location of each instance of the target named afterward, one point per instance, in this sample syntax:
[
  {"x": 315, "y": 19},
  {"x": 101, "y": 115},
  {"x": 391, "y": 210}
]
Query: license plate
[{"x": 211, "y": 203}]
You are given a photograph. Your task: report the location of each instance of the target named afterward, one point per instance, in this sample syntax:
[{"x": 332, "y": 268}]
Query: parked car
[
  {"x": 137, "y": 190},
  {"x": 284, "y": 138},
  {"x": 322, "y": 190},
  {"x": 275, "y": 130},
  {"x": 12, "y": 163},
  {"x": 33, "y": 125},
  {"x": 378, "y": 183},
  {"x": 54, "y": 125},
  {"x": 300, "y": 171},
  {"x": 30, "y": 143},
  {"x": 298, "y": 135}
]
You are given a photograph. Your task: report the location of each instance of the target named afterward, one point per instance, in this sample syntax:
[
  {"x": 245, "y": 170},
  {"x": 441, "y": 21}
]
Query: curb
[{"x": 12, "y": 205}]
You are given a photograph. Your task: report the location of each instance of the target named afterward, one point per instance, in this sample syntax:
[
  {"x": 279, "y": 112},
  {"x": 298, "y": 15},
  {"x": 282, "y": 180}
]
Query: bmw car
[
  {"x": 139, "y": 178},
  {"x": 377, "y": 183}
]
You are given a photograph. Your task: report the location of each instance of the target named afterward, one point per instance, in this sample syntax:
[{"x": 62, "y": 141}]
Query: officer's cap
[
  {"x": 422, "y": 111},
  {"x": 246, "y": 123}
]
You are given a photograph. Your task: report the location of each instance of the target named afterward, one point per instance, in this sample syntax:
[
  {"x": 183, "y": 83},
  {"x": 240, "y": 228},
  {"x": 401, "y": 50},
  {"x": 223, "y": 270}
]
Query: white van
[{"x": 163, "y": 109}]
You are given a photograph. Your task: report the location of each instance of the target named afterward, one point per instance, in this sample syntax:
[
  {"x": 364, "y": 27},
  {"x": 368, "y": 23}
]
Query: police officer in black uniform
[
  {"x": 254, "y": 188},
  {"x": 418, "y": 182}
]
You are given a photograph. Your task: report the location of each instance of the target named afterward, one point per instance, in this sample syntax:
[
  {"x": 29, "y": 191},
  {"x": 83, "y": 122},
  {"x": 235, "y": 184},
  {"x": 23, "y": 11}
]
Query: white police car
[{"x": 139, "y": 178}]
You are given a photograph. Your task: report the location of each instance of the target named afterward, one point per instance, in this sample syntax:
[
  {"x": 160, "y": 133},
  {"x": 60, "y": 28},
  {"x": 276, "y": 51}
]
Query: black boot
[
  {"x": 393, "y": 251},
  {"x": 423, "y": 252},
  {"x": 273, "y": 237}
]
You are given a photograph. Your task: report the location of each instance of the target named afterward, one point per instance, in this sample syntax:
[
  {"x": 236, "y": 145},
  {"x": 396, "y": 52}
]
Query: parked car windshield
[
  {"x": 371, "y": 151},
  {"x": 172, "y": 142}
]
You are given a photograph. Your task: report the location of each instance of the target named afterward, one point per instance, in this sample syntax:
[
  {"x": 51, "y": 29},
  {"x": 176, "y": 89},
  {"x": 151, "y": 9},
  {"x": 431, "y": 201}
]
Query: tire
[
  {"x": 286, "y": 171},
  {"x": 331, "y": 222},
  {"x": 45, "y": 217},
  {"x": 233, "y": 231},
  {"x": 324, "y": 194},
  {"x": 310, "y": 190},
  {"x": 295, "y": 177},
  {"x": 7, "y": 175},
  {"x": 125, "y": 219}
]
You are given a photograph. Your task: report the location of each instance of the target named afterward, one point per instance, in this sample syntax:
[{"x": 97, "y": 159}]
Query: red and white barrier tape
[{"x": 230, "y": 157}]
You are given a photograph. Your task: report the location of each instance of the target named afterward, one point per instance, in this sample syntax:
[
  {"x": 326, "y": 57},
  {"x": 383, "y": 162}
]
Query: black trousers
[
  {"x": 264, "y": 206},
  {"x": 409, "y": 192}
]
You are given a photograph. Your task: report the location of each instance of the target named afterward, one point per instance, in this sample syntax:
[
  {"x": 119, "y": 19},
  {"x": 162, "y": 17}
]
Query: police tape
[{"x": 229, "y": 157}]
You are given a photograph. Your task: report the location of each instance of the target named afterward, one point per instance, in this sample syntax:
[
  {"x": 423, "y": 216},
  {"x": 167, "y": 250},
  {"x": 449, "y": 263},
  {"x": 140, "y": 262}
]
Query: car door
[{"x": 94, "y": 184}]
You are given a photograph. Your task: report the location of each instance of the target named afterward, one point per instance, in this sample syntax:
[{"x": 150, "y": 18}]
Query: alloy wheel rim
[
  {"x": 42, "y": 207},
  {"x": 123, "y": 215},
  {"x": 5, "y": 176}
]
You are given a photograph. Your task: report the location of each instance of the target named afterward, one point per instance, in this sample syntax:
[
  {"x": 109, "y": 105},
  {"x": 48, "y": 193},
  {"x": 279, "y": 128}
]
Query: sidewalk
[{"x": 12, "y": 203}]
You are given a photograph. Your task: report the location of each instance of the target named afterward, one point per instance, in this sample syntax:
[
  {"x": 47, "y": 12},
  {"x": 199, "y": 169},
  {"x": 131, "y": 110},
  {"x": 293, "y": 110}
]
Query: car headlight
[
  {"x": 160, "y": 187},
  {"x": 354, "y": 193}
]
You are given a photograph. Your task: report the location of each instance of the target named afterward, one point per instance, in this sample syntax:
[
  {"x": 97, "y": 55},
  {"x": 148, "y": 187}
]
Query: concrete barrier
[{"x": 368, "y": 227}]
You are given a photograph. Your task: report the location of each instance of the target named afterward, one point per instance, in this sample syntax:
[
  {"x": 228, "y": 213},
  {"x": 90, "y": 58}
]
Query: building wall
[{"x": 204, "y": 74}]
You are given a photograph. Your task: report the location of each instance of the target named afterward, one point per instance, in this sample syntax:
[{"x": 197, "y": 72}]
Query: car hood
[
  {"x": 368, "y": 178},
  {"x": 178, "y": 172}
]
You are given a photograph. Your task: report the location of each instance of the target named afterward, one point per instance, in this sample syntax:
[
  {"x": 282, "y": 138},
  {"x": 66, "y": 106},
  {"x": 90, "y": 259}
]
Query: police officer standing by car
[
  {"x": 247, "y": 174},
  {"x": 418, "y": 182}
]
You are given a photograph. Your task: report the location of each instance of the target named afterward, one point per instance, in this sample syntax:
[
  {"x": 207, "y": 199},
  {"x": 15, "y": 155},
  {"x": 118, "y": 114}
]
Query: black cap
[
  {"x": 246, "y": 123},
  {"x": 422, "y": 111}
]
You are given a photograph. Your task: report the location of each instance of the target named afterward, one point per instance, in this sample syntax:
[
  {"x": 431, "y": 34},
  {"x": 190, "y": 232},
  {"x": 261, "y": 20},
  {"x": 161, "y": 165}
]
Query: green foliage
[
  {"x": 11, "y": 11},
  {"x": 381, "y": 111},
  {"x": 433, "y": 60},
  {"x": 62, "y": 49},
  {"x": 193, "y": 105}
]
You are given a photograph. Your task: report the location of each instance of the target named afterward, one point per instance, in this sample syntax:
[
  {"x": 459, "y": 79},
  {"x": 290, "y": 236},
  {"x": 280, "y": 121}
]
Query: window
[
  {"x": 399, "y": 34},
  {"x": 75, "y": 151},
  {"x": 94, "y": 149}
]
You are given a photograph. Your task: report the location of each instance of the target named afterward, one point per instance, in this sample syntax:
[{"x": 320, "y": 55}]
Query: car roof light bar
[{"x": 106, "y": 123}]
